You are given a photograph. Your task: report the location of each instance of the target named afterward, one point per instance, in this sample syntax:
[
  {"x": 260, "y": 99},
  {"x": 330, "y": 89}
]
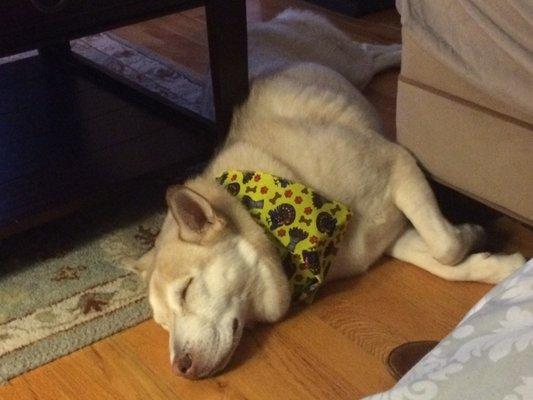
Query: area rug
[{"x": 62, "y": 286}]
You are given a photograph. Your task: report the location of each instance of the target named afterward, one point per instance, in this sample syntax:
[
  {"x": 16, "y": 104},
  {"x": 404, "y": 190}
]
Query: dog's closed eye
[{"x": 185, "y": 288}]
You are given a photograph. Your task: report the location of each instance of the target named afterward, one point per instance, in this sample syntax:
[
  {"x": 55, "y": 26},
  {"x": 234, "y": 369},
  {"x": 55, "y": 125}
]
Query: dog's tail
[{"x": 383, "y": 56}]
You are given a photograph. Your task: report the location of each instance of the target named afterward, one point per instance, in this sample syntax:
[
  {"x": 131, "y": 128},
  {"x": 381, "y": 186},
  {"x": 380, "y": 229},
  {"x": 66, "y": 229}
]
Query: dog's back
[
  {"x": 306, "y": 120},
  {"x": 305, "y": 111}
]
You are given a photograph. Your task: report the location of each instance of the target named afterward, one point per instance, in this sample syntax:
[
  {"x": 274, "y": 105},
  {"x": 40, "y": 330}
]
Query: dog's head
[{"x": 211, "y": 272}]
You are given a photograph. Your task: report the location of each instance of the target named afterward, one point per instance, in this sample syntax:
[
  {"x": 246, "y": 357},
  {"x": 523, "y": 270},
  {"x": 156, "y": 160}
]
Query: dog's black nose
[{"x": 182, "y": 365}]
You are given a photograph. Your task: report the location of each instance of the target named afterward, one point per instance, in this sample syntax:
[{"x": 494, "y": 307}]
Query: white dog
[{"x": 213, "y": 268}]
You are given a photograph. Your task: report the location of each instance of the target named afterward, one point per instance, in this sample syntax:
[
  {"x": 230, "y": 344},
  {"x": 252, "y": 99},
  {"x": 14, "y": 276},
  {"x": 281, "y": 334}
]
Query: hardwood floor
[{"x": 333, "y": 349}]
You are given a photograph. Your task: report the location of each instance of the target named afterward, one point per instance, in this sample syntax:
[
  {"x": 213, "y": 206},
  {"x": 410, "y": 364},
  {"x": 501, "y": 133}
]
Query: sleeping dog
[{"x": 306, "y": 139}]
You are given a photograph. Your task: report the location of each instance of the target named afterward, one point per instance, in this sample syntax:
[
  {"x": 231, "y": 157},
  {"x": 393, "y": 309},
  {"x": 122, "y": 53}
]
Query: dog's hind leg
[
  {"x": 412, "y": 194},
  {"x": 479, "y": 267}
]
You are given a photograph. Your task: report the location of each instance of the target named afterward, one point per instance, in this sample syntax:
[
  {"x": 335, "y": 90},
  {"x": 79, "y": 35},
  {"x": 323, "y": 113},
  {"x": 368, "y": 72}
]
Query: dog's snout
[{"x": 183, "y": 366}]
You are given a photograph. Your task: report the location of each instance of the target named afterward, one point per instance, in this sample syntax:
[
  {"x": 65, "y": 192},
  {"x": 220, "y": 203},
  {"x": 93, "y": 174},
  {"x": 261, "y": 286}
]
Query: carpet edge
[{"x": 55, "y": 347}]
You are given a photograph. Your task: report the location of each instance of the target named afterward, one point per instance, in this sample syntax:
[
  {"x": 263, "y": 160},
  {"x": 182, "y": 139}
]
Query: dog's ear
[{"x": 197, "y": 220}]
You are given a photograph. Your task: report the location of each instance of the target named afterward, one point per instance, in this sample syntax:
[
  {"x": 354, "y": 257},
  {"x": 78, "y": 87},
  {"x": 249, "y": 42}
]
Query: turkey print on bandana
[{"x": 306, "y": 227}]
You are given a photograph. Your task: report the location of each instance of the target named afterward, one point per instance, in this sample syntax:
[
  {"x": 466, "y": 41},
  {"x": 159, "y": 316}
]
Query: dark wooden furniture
[{"x": 71, "y": 135}]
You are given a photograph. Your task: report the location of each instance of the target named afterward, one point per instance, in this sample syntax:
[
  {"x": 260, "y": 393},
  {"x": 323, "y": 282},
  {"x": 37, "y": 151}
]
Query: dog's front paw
[{"x": 493, "y": 268}]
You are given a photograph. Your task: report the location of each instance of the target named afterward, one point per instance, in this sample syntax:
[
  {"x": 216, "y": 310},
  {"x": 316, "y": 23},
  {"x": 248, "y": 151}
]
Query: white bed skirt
[{"x": 489, "y": 42}]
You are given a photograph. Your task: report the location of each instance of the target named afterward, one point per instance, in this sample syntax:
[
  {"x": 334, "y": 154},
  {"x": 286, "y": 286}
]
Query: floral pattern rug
[{"x": 61, "y": 285}]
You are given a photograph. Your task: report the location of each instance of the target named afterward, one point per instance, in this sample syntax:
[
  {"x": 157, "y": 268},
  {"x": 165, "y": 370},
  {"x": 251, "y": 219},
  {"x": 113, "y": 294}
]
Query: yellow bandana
[{"x": 306, "y": 226}]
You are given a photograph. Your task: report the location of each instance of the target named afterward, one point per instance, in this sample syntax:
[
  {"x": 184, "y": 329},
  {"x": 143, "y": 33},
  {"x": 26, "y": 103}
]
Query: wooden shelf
[
  {"x": 23, "y": 26},
  {"x": 70, "y": 135}
]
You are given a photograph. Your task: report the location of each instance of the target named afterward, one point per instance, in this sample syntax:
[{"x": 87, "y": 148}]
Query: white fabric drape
[{"x": 489, "y": 42}]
